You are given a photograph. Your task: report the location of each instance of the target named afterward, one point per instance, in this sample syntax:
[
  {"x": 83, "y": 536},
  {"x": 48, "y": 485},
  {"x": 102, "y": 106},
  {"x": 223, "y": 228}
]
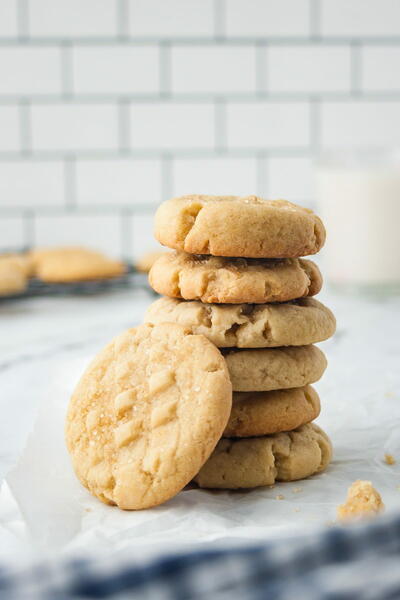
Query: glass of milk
[{"x": 358, "y": 198}]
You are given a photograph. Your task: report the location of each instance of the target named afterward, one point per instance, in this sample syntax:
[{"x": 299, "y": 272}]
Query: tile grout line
[
  {"x": 22, "y": 20},
  {"x": 315, "y": 125},
  {"x": 193, "y": 41},
  {"x": 262, "y": 174},
  {"x": 122, "y": 20},
  {"x": 167, "y": 177},
  {"x": 201, "y": 98},
  {"x": 220, "y": 125},
  {"x": 126, "y": 246},
  {"x": 165, "y": 69},
  {"x": 219, "y": 16},
  {"x": 157, "y": 153},
  {"x": 124, "y": 126},
  {"x": 29, "y": 228},
  {"x": 67, "y": 70},
  {"x": 70, "y": 183},
  {"x": 356, "y": 68},
  {"x": 315, "y": 20},
  {"x": 25, "y": 121},
  {"x": 262, "y": 71}
]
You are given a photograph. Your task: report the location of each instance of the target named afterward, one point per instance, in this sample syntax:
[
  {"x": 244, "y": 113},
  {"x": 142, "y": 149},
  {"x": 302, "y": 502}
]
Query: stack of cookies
[
  {"x": 154, "y": 409},
  {"x": 236, "y": 276}
]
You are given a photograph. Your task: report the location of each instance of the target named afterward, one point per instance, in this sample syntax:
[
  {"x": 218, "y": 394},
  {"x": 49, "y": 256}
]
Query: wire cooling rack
[{"x": 130, "y": 279}]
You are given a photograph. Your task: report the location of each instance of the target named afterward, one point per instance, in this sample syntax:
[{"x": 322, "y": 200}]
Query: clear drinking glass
[{"x": 358, "y": 198}]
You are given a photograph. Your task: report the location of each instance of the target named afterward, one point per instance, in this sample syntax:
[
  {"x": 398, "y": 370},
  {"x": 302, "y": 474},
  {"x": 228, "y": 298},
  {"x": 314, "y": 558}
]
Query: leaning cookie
[
  {"x": 265, "y": 369},
  {"x": 262, "y": 413},
  {"x": 256, "y": 462},
  {"x": 296, "y": 323},
  {"x": 234, "y": 280},
  {"x": 147, "y": 414},
  {"x": 235, "y": 226}
]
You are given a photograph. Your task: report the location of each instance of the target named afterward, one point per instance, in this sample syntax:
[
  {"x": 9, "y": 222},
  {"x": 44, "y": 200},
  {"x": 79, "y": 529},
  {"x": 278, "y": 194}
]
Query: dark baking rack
[{"x": 131, "y": 279}]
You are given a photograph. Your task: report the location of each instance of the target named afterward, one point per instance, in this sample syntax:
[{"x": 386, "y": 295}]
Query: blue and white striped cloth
[{"x": 357, "y": 562}]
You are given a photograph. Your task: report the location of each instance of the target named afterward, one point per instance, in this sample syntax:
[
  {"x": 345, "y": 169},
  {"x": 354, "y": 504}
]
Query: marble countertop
[{"x": 40, "y": 338}]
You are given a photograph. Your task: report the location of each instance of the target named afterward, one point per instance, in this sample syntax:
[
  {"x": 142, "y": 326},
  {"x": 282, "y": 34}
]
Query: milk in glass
[{"x": 358, "y": 198}]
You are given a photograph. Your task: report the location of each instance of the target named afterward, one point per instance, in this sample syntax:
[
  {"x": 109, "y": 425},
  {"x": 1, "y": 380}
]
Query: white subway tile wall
[
  {"x": 109, "y": 106},
  {"x": 10, "y": 132},
  {"x": 8, "y": 19}
]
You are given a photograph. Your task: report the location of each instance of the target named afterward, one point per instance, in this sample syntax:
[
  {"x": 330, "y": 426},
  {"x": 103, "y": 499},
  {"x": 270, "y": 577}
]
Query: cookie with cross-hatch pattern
[{"x": 146, "y": 415}]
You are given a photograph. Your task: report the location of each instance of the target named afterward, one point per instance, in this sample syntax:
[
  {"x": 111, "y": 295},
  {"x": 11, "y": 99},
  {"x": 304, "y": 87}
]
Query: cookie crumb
[
  {"x": 280, "y": 497},
  {"x": 389, "y": 459},
  {"x": 296, "y": 509},
  {"x": 296, "y": 490},
  {"x": 362, "y": 500}
]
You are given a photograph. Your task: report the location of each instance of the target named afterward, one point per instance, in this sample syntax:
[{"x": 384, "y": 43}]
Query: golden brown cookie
[
  {"x": 262, "y": 413},
  {"x": 265, "y": 369},
  {"x": 255, "y": 462},
  {"x": 233, "y": 226},
  {"x": 63, "y": 265},
  {"x": 23, "y": 260},
  {"x": 147, "y": 414},
  {"x": 13, "y": 278},
  {"x": 234, "y": 280},
  {"x": 296, "y": 323},
  {"x": 145, "y": 262}
]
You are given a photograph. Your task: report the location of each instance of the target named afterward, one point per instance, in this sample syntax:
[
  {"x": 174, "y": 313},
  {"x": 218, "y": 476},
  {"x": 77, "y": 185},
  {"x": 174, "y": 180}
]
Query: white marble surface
[{"x": 45, "y": 344}]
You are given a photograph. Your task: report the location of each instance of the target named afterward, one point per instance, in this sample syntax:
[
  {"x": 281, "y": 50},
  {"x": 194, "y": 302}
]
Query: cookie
[
  {"x": 232, "y": 226},
  {"x": 262, "y": 413},
  {"x": 255, "y": 462},
  {"x": 63, "y": 265},
  {"x": 234, "y": 280},
  {"x": 13, "y": 278},
  {"x": 296, "y": 323},
  {"x": 147, "y": 414},
  {"x": 267, "y": 369},
  {"x": 145, "y": 262},
  {"x": 23, "y": 260}
]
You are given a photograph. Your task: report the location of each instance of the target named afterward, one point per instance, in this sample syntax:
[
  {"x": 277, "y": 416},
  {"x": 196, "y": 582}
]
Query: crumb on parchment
[
  {"x": 390, "y": 459},
  {"x": 362, "y": 500},
  {"x": 280, "y": 497}
]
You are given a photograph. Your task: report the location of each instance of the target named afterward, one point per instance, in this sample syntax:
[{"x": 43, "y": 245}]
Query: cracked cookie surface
[
  {"x": 262, "y": 413},
  {"x": 256, "y": 462},
  {"x": 234, "y": 280},
  {"x": 267, "y": 369},
  {"x": 238, "y": 226},
  {"x": 146, "y": 415},
  {"x": 295, "y": 323}
]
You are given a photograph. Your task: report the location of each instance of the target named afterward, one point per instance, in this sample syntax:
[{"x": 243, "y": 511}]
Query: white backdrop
[{"x": 109, "y": 106}]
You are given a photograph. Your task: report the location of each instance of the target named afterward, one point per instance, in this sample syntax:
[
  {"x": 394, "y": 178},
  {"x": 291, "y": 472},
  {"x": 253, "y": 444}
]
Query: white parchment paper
[{"x": 43, "y": 507}]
